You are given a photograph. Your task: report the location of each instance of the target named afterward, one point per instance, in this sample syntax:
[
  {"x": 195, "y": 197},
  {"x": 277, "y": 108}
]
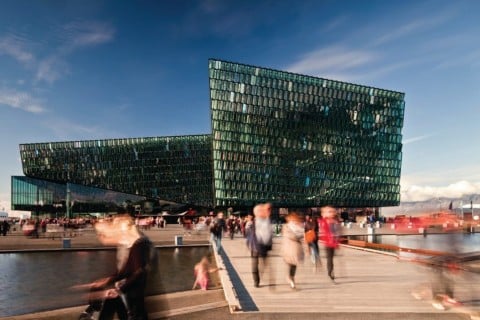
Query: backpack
[{"x": 310, "y": 236}]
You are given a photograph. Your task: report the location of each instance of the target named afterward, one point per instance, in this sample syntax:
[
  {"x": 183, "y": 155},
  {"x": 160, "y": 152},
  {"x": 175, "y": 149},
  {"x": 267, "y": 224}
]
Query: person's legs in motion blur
[{"x": 330, "y": 253}]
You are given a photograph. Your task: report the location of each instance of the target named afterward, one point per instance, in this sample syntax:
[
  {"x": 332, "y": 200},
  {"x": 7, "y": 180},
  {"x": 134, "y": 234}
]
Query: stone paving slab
[{"x": 365, "y": 282}]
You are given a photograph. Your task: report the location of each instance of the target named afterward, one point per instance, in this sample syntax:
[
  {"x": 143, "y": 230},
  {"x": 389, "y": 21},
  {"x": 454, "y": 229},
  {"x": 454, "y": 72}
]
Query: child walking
[{"x": 201, "y": 271}]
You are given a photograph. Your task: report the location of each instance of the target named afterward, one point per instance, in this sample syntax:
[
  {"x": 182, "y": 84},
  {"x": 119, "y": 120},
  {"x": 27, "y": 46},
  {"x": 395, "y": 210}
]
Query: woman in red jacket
[{"x": 329, "y": 232}]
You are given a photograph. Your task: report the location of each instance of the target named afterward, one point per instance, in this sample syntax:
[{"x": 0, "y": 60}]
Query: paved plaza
[{"x": 368, "y": 285}]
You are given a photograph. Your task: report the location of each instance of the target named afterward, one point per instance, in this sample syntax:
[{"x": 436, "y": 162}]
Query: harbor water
[{"x": 38, "y": 281}]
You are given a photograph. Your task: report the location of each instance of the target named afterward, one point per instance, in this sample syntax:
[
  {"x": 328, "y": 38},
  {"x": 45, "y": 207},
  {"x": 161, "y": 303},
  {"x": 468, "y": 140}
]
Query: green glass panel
[{"x": 309, "y": 142}]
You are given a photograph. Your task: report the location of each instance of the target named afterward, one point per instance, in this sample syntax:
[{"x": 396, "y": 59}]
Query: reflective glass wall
[
  {"x": 302, "y": 141},
  {"x": 41, "y": 196}
]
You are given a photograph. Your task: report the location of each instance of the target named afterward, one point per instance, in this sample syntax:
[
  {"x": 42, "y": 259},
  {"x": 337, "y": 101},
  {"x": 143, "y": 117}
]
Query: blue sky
[{"x": 92, "y": 69}]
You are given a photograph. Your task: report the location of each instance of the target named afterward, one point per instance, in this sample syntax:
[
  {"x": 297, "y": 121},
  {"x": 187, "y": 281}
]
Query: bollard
[
  {"x": 371, "y": 233},
  {"x": 178, "y": 240},
  {"x": 66, "y": 243}
]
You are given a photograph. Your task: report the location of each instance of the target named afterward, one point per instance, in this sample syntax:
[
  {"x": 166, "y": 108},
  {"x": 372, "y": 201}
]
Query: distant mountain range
[{"x": 435, "y": 205}]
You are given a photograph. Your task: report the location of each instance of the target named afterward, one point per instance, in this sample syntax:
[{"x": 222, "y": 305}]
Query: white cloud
[
  {"x": 454, "y": 190},
  {"x": 84, "y": 34},
  {"x": 21, "y": 100},
  {"x": 346, "y": 64},
  {"x": 74, "y": 36},
  {"x": 419, "y": 138},
  {"x": 51, "y": 69},
  {"x": 65, "y": 129},
  {"x": 413, "y": 27},
  {"x": 15, "y": 47},
  {"x": 470, "y": 58},
  {"x": 335, "y": 23},
  {"x": 332, "y": 60}
]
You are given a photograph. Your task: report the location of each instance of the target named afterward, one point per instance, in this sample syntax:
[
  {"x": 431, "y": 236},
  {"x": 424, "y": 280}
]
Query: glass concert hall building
[{"x": 290, "y": 139}]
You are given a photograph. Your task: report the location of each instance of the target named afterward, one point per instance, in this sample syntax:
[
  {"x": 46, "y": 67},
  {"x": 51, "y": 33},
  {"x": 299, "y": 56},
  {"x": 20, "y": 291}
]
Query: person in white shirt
[{"x": 259, "y": 239}]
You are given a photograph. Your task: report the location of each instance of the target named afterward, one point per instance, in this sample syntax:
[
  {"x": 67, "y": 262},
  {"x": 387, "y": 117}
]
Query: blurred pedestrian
[
  {"x": 231, "y": 226},
  {"x": 311, "y": 239},
  {"x": 5, "y": 227},
  {"x": 444, "y": 268},
  {"x": 259, "y": 240},
  {"x": 217, "y": 227},
  {"x": 329, "y": 234},
  {"x": 35, "y": 233},
  {"x": 201, "y": 271},
  {"x": 122, "y": 293},
  {"x": 292, "y": 247}
]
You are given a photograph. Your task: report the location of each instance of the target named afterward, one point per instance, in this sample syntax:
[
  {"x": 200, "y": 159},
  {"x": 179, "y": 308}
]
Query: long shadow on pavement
[{"x": 243, "y": 295}]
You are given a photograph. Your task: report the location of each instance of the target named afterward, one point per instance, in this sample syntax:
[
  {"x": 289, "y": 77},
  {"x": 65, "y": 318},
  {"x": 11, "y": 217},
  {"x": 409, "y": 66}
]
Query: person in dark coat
[
  {"x": 217, "y": 227},
  {"x": 125, "y": 295},
  {"x": 5, "y": 227},
  {"x": 259, "y": 240}
]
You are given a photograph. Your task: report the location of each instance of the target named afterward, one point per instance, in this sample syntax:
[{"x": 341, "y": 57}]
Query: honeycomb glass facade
[
  {"x": 177, "y": 169},
  {"x": 301, "y": 141},
  {"x": 290, "y": 139}
]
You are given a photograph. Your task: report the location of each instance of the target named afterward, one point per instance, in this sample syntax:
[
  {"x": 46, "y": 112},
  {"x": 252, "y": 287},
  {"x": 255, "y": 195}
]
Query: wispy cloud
[
  {"x": 14, "y": 47},
  {"x": 413, "y": 27},
  {"x": 332, "y": 60},
  {"x": 70, "y": 38},
  {"x": 65, "y": 129},
  {"x": 471, "y": 58},
  {"x": 51, "y": 69},
  {"x": 335, "y": 23},
  {"x": 348, "y": 63},
  {"x": 80, "y": 34},
  {"x": 21, "y": 100},
  {"x": 74, "y": 36},
  {"x": 419, "y": 138}
]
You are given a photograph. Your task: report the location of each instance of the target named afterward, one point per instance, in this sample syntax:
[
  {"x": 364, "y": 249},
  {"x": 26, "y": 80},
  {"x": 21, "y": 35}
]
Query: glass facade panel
[
  {"x": 307, "y": 142},
  {"x": 177, "y": 169},
  {"x": 41, "y": 196}
]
